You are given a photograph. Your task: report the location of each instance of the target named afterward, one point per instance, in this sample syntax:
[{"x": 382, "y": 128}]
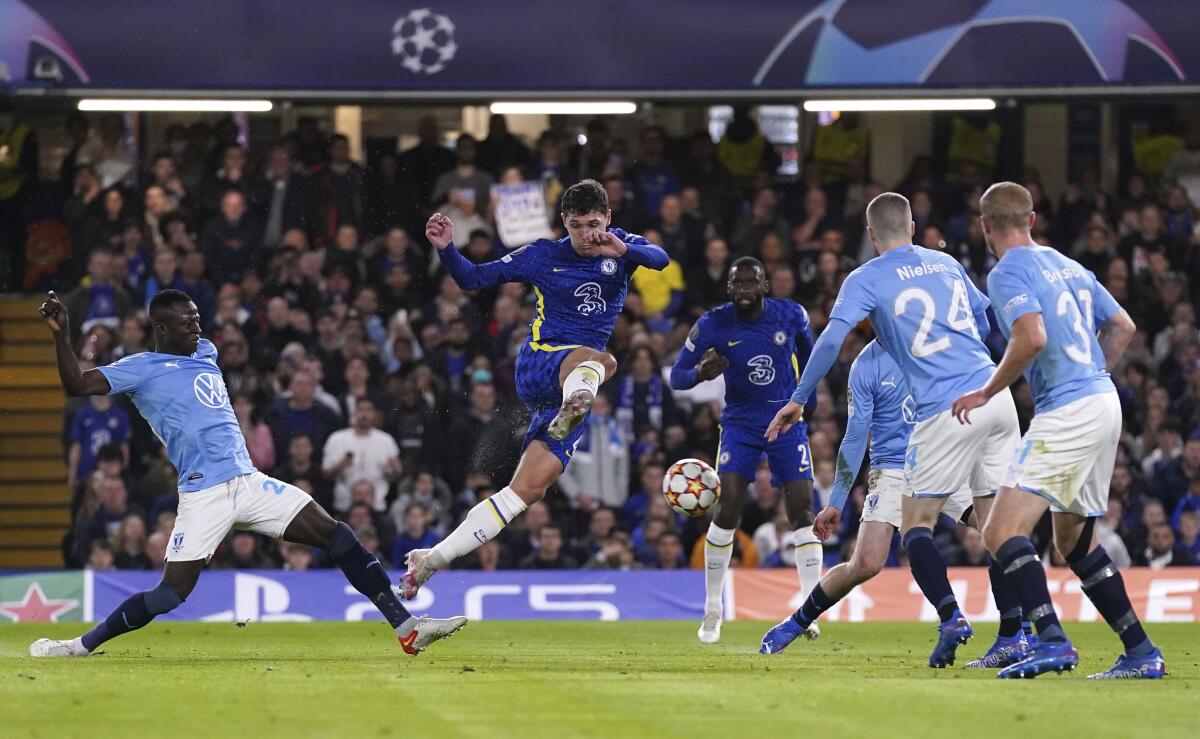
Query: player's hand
[
  {"x": 55, "y": 313},
  {"x": 787, "y": 417},
  {"x": 963, "y": 406},
  {"x": 439, "y": 229},
  {"x": 827, "y": 520},
  {"x": 607, "y": 244},
  {"x": 711, "y": 365}
]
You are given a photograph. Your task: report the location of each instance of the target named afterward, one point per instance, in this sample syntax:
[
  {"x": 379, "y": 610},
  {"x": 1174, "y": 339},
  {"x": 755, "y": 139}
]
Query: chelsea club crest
[
  {"x": 608, "y": 266},
  {"x": 780, "y": 337}
]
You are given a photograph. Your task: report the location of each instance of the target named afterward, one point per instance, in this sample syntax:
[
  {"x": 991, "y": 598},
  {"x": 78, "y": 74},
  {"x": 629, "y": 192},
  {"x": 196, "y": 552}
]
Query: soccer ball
[
  {"x": 691, "y": 487},
  {"x": 424, "y": 41}
]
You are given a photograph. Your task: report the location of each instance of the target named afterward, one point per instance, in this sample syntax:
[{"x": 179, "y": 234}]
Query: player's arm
[
  {"x": 854, "y": 302},
  {"x": 640, "y": 251},
  {"x": 1116, "y": 327},
  {"x": 74, "y": 380},
  {"x": 860, "y": 409},
  {"x": 698, "y": 361},
  {"x": 1016, "y": 298},
  {"x": 470, "y": 276},
  {"x": 804, "y": 350}
]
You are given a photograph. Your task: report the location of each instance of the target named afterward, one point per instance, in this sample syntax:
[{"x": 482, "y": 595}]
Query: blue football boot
[
  {"x": 1151, "y": 667},
  {"x": 1006, "y": 650},
  {"x": 1045, "y": 657},
  {"x": 950, "y": 634},
  {"x": 780, "y": 636}
]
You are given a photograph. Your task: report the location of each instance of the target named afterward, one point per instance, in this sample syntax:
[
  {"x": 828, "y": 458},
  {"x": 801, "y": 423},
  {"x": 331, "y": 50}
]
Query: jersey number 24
[{"x": 959, "y": 318}]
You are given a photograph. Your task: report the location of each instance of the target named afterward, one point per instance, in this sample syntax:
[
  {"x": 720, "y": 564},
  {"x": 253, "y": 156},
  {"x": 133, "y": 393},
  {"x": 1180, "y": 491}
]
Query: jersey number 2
[{"x": 959, "y": 318}]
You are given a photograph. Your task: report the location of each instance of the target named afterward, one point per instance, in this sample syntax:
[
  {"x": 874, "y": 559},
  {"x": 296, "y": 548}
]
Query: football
[{"x": 691, "y": 487}]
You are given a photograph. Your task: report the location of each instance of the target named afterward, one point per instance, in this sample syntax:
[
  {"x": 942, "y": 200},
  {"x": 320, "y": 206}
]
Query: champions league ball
[
  {"x": 691, "y": 487},
  {"x": 424, "y": 41}
]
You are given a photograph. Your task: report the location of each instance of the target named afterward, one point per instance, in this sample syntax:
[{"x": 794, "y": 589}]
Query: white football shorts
[
  {"x": 886, "y": 488},
  {"x": 944, "y": 455}
]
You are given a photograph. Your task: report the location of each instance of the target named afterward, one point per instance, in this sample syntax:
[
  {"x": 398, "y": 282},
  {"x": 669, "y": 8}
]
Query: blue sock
[
  {"x": 1104, "y": 586},
  {"x": 929, "y": 570},
  {"x": 138, "y": 610},
  {"x": 366, "y": 574},
  {"x": 815, "y": 604},
  {"x": 1024, "y": 573},
  {"x": 1006, "y": 601},
  {"x": 1027, "y": 627}
]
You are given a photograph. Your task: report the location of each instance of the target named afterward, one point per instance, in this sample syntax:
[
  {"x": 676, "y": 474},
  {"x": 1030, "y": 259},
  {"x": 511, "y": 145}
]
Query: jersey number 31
[{"x": 959, "y": 318}]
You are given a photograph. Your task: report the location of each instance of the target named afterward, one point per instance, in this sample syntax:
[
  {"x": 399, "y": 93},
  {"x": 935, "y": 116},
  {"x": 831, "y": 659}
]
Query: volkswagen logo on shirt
[{"x": 210, "y": 390}]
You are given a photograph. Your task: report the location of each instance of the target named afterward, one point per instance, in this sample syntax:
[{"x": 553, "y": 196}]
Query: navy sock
[
  {"x": 1027, "y": 627},
  {"x": 366, "y": 574},
  {"x": 1104, "y": 586},
  {"x": 816, "y": 604},
  {"x": 1006, "y": 601},
  {"x": 138, "y": 610},
  {"x": 1024, "y": 573},
  {"x": 929, "y": 570}
]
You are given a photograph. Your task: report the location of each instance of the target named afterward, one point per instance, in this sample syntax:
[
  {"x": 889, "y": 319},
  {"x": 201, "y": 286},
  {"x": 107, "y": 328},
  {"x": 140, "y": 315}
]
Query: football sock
[
  {"x": 1006, "y": 601},
  {"x": 929, "y": 570},
  {"x": 718, "y": 549},
  {"x": 138, "y": 610},
  {"x": 366, "y": 574},
  {"x": 815, "y": 604},
  {"x": 808, "y": 559},
  {"x": 1027, "y": 627},
  {"x": 1024, "y": 573},
  {"x": 1104, "y": 586},
  {"x": 482, "y": 524},
  {"x": 587, "y": 376}
]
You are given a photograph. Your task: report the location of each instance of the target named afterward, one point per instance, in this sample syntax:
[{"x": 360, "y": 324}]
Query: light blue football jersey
[
  {"x": 185, "y": 401},
  {"x": 1038, "y": 279},
  {"x": 929, "y": 317}
]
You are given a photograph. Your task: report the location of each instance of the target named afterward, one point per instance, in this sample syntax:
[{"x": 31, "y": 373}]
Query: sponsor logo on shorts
[
  {"x": 177, "y": 542},
  {"x": 872, "y": 502}
]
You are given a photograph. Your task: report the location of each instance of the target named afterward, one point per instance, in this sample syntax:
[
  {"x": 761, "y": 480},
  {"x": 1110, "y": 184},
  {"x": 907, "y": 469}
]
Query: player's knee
[
  {"x": 609, "y": 362},
  {"x": 864, "y": 568},
  {"x": 162, "y": 599},
  {"x": 528, "y": 493},
  {"x": 995, "y": 533}
]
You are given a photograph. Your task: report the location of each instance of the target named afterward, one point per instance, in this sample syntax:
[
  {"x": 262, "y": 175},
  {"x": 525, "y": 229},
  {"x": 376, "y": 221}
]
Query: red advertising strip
[{"x": 1158, "y": 596}]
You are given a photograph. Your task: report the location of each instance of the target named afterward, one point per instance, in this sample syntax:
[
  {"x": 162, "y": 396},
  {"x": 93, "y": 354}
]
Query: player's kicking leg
[
  {"x": 1014, "y": 637},
  {"x": 918, "y": 517},
  {"x": 718, "y": 549},
  {"x": 870, "y": 554},
  {"x": 314, "y": 527},
  {"x": 1102, "y": 583},
  {"x": 545, "y": 456}
]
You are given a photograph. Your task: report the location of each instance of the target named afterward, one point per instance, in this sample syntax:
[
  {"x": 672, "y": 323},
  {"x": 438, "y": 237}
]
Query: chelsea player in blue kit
[
  {"x": 579, "y": 284},
  {"x": 758, "y": 343},
  {"x": 930, "y": 318},
  {"x": 1049, "y": 307},
  {"x": 179, "y": 390},
  {"x": 879, "y": 408}
]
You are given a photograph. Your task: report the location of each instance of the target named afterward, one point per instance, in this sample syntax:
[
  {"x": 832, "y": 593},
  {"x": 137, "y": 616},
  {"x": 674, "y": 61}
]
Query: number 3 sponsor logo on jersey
[
  {"x": 592, "y": 301},
  {"x": 764, "y": 370},
  {"x": 210, "y": 390}
]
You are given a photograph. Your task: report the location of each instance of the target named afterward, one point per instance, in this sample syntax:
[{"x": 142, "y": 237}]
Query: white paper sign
[{"x": 521, "y": 216}]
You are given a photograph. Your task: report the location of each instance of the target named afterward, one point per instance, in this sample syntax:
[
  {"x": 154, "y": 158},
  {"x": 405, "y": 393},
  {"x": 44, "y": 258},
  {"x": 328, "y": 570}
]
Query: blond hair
[
  {"x": 891, "y": 217},
  {"x": 1006, "y": 206}
]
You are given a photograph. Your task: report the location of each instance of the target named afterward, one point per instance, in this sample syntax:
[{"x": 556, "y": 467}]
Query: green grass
[{"x": 553, "y": 679}]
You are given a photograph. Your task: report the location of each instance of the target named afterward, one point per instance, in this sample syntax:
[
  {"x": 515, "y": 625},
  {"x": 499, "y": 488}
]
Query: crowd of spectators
[{"x": 364, "y": 375}]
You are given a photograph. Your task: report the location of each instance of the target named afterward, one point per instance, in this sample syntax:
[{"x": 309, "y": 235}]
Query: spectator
[
  {"x": 1172, "y": 478},
  {"x": 280, "y": 200},
  {"x": 705, "y": 284},
  {"x": 480, "y": 440},
  {"x": 549, "y": 554},
  {"x": 296, "y": 557},
  {"x": 300, "y": 414},
  {"x": 465, "y": 175},
  {"x": 113, "y": 499},
  {"x": 97, "y": 423},
  {"x": 653, "y": 177},
  {"x": 338, "y": 186},
  {"x": 107, "y": 154},
  {"x": 369, "y": 538},
  {"x": 643, "y": 399},
  {"x": 426, "y": 161},
  {"x": 501, "y": 150},
  {"x": 761, "y": 219},
  {"x": 415, "y": 534},
  {"x": 155, "y": 551},
  {"x": 129, "y": 543},
  {"x": 600, "y": 466},
  {"x": 430, "y": 492},
  {"x": 1107, "y": 534},
  {"x": 97, "y": 300},
  {"x": 259, "y": 443},
  {"x": 231, "y": 175},
  {"x": 230, "y": 240},
  {"x": 668, "y": 551},
  {"x": 616, "y": 553},
  {"x": 100, "y": 556},
  {"x": 361, "y": 453},
  {"x": 1161, "y": 551},
  {"x": 243, "y": 553}
]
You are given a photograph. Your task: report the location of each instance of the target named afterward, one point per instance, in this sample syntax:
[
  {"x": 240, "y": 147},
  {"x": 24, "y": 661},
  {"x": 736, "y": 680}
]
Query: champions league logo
[
  {"x": 424, "y": 41},
  {"x": 839, "y": 42},
  {"x": 210, "y": 390}
]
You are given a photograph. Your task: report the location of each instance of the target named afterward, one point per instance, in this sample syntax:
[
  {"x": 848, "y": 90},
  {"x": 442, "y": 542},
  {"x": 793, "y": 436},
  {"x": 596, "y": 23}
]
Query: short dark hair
[
  {"x": 165, "y": 300},
  {"x": 110, "y": 453},
  {"x": 747, "y": 262},
  {"x": 586, "y": 196}
]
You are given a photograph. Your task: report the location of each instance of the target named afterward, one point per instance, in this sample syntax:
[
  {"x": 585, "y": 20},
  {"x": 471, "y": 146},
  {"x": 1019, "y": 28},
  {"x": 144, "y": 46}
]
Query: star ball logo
[
  {"x": 210, "y": 390},
  {"x": 424, "y": 41}
]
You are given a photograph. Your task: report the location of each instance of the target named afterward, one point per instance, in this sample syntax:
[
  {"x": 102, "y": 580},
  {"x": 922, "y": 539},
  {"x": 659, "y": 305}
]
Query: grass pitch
[{"x": 557, "y": 679}]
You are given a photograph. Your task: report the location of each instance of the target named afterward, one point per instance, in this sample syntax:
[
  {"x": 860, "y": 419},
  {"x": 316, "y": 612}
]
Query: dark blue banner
[
  {"x": 617, "y": 45},
  {"x": 324, "y": 595}
]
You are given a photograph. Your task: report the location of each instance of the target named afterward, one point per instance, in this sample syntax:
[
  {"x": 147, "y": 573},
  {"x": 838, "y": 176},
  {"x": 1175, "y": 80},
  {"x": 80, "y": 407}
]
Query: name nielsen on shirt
[{"x": 920, "y": 270}]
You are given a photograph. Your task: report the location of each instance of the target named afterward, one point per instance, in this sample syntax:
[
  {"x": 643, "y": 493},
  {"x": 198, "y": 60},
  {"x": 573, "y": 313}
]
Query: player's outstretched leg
[
  {"x": 1104, "y": 586},
  {"x": 314, "y": 527},
  {"x": 929, "y": 570},
  {"x": 808, "y": 550},
  {"x": 870, "y": 553},
  {"x": 718, "y": 550},
  {"x": 1012, "y": 643},
  {"x": 580, "y": 384},
  {"x": 138, "y": 610}
]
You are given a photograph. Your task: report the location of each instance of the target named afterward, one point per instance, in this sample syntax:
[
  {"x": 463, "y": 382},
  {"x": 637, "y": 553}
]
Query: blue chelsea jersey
[
  {"x": 765, "y": 356},
  {"x": 185, "y": 401},
  {"x": 929, "y": 317},
  {"x": 1038, "y": 279}
]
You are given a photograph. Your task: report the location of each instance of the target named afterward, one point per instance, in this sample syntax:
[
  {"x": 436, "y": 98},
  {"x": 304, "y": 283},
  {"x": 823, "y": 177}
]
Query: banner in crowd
[
  {"x": 521, "y": 215},
  {"x": 603, "y": 595},
  {"x": 1157, "y": 595},
  {"x": 465, "y": 46}
]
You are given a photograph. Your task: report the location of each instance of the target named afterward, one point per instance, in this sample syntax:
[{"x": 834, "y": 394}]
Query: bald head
[
  {"x": 890, "y": 216},
  {"x": 1006, "y": 206}
]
